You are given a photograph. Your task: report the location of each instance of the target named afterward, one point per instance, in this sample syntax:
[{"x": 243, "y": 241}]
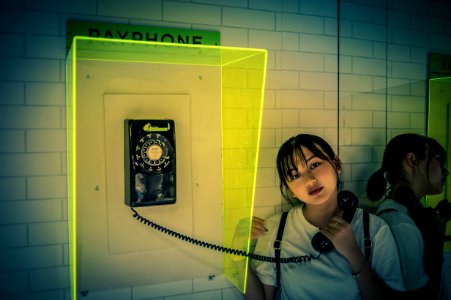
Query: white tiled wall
[{"x": 382, "y": 92}]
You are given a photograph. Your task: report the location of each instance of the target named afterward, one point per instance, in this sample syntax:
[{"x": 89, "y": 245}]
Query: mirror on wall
[
  {"x": 439, "y": 111},
  {"x": 383, "y": 85},
  {"x": 365, "y": 91}
]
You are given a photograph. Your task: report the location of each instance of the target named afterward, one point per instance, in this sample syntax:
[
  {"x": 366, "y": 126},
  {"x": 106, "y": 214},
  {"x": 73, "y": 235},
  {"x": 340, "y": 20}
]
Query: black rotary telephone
[
  {"x": 347, "y": 202},
  {"x": 150, "y": 165}
]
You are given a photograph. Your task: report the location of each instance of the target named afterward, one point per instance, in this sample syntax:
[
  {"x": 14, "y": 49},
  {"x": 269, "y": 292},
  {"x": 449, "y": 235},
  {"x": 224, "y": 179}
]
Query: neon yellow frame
[{"x": 243, "y": 72}]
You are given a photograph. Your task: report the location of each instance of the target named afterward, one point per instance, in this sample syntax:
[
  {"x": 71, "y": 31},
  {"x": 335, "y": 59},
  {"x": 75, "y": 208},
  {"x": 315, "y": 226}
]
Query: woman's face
[
  {"x": 313, "y": 181},
  {"x": 436, "y": 175}
]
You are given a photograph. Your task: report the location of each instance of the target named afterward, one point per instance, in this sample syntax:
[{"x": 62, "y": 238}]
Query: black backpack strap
[
  {"x": 367, "y": 243},
  {"x": 278, "y": 245}
]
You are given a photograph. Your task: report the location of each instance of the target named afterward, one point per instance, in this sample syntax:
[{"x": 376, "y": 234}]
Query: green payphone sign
[{"x": 139, "y": 33}]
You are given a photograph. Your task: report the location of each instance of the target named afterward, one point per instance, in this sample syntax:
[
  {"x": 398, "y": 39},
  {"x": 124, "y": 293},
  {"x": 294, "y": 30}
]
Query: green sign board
[{"x": 139, "y": 33}]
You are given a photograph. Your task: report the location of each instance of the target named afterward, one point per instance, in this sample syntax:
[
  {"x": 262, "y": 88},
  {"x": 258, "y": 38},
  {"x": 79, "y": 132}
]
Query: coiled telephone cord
[{"x": 293, "y": 259}]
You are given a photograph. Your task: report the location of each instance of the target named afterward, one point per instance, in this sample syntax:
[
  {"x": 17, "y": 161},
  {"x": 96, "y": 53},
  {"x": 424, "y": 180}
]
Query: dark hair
[
  {"x": 290, "y": 153},
  {"x": 395, "y": 152}
]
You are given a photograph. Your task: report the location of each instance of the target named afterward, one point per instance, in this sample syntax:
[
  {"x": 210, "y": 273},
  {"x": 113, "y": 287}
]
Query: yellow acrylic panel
[
  {"x": 242, "y": 81},
  {"x": 71, "y": 171}
]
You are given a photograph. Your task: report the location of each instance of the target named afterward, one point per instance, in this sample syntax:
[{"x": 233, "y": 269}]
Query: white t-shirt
[
  {"x": 410, "y": 244},
  {"x": 330, "y": 276}
]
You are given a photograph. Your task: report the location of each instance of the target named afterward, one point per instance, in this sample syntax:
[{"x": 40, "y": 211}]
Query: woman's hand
[
  {"x": 241, "y": 236},
  {"x": 340, "y": 233},
  {"x": 258, "y": 228}
]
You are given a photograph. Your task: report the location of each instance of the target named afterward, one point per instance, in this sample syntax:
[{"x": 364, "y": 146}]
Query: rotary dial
[{"x": 153, "y": 152}]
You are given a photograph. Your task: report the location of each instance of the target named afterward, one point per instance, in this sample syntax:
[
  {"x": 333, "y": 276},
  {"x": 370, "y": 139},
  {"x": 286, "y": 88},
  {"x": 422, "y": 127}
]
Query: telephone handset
[
  {"x": 347, "y": 202},
  {"x": 150, "y": 165}
]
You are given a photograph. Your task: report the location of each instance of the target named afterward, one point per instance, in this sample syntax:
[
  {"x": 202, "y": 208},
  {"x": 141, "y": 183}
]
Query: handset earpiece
[
  {"x": 347, "y": 202},
  {"x": 443, "y": 209}
]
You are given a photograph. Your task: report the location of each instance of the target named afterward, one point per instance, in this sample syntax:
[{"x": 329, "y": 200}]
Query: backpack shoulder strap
[
  {"x": 278, "y": 244},
  {"x": 367, "y": 243}
]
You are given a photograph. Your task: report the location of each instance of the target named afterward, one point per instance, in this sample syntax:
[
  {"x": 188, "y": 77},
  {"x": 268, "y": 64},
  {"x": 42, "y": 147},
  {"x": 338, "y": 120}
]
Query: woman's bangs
[{"x": 291, "y": 161}]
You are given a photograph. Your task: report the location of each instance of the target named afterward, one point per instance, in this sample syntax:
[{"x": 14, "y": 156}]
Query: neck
[
  {"x": 414, "y": 188},
  {"x": 320, "y": 215},
  {"x": 418, "y": 189}
]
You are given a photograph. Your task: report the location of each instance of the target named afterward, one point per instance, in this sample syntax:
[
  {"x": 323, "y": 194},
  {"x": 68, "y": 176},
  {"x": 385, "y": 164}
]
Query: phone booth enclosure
[{"x": 212, "y": 96}]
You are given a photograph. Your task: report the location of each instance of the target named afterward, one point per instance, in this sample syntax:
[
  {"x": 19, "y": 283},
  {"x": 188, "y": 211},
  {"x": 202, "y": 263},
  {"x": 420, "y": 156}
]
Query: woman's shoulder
[
  {"x": 393, "y": 212},
  {"x": 375, "y": 224},
  {"x": 291, "y": 212},
  {"x": 373, "y": 219},
  {"x": 274, "y": 217},
  {"x": 273, "y": 221},
  {"x": 388, "y": 214},
  {"x": 294, "y": 214},
  {"x": 374, "y": 213},
  {"x": 390, "y": 205}
]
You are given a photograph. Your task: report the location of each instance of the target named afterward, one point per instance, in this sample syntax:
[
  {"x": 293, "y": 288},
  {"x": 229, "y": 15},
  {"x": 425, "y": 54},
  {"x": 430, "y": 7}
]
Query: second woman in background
[{"x": 414, "y": 166}]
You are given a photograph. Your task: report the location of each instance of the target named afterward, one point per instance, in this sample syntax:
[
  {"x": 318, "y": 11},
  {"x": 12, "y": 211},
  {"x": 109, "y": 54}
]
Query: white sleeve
[
  {"x": 266, "y": 271},
  {"x": 384, "y": 258}
]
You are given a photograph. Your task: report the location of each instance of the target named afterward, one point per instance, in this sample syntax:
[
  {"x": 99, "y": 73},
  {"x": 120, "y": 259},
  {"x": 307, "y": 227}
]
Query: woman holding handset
[{"x": 309, "y": 173}]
